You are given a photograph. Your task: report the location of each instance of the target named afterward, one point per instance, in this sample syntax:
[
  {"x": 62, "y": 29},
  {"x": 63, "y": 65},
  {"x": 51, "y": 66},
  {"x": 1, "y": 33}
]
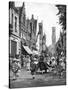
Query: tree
[
  {"x": 62, "y": 21},
  {"x": 62, "y": 15}
]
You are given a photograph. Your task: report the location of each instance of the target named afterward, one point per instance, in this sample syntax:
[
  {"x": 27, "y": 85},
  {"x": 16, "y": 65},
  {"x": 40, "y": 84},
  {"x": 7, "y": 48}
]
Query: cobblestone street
[
  {"x": 25, "y": 80},
  {"x": 37, "y": 44}
]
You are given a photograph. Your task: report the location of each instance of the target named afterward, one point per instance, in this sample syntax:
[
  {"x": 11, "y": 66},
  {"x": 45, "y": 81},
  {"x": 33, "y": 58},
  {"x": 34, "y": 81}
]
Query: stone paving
[
  {"x": 25, "y": 80},
  {"x": 26, "y": 75}
]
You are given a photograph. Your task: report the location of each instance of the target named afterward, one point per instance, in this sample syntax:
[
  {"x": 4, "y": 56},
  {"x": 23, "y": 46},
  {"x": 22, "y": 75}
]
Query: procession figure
[
  {"x": 33, "y": 67},
  {"x": 15, "y": 68},
  {"x": 28, "y": 62}
]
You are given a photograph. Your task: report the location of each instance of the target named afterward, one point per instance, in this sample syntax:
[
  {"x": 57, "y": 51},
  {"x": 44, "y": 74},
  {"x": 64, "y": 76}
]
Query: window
[
  {"x": 12, "y": 18},
  {"x": 15, "y": 24}
]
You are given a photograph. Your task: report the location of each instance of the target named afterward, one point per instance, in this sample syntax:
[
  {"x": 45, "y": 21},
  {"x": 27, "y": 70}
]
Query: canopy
[{"x": 27, "y": 49}]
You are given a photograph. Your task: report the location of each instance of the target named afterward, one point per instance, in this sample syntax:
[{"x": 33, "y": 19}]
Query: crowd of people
[{"x": 34, "y": 62}]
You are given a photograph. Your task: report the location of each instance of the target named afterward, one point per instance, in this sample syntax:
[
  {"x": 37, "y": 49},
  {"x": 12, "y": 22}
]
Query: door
[{"x": 13, "y": 48}]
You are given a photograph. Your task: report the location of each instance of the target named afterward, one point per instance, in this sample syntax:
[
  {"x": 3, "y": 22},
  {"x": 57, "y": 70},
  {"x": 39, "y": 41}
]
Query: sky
[{"x": 45, "y": 13}]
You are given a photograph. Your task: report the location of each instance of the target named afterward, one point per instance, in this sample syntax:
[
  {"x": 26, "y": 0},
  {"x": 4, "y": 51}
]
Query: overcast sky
[{"x": 45, "y": 13}]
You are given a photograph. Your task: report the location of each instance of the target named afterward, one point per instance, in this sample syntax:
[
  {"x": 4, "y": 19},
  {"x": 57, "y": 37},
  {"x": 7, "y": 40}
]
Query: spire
[
  {"x": 53, "y": 35},
  {"x": 23, "y": 4},
  {"x": 23, "y": 15},
  {"x": 23, "y": 7},
  {"x": 32, "y": 16}
]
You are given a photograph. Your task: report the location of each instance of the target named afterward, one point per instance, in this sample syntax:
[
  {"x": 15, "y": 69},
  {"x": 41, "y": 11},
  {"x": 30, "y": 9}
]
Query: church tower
[
  {"x": 23, "y": 16},
  {"x": 40, "y": 36},
  {"x": 53, "y": 35}
]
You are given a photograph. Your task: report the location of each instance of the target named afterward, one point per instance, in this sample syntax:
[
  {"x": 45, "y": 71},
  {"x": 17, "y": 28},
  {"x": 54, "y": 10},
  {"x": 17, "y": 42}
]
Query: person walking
[
  {"x": 15, "y": 69},
  {"x": 28, "y": 63},
  {"x": 32, "y": 68}
]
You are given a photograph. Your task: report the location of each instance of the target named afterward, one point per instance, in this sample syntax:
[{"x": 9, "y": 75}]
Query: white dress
[{"x": 28, "y": 64}]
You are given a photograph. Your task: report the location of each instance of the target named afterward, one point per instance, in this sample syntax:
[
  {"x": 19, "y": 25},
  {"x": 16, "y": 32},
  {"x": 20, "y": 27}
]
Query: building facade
[
  {"x": 40, "y": 36},
  {"x": 22, "y": 30},
  {"x": 53, "y": 35},
  {"x": 14, "y": 34},
  {"x": 44, "y": 42},
  {"x": 52, "y": 47},
  {"x": 22, "y": 22},
  {"x": 32, "y": 29}
]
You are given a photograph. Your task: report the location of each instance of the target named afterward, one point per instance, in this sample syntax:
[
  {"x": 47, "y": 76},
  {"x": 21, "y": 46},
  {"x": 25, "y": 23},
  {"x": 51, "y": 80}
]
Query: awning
[{"x": 27, "y": 49}]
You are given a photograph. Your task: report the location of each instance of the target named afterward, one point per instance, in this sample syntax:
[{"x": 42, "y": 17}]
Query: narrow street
[
  {"x": 25, "y": 80},
  {"x": 37, "y": 43}
]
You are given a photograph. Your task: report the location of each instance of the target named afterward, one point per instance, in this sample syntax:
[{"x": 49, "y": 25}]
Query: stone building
[
  {"x": 23, "y": 25},
  {"x": 19, "y": 34},
  {"x": 44, "y": 42},
  {"x": 40, "y": 36},
  {"x": 32, "y": 29},
  {"x": 53, "y": 35},
  {"x": 28, "y": 28},
  {"x": 21, "y": 29},
  {"x": 14, "y": 33},
  {"x": 52, "y": 47},
  {"x": 29, "y": 32},
  {"x": 22, "y": 22}
]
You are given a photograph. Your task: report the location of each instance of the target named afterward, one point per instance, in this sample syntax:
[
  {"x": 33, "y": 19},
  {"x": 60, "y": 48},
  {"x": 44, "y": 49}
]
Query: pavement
[
  {"x": 25, "y": 80},
  {"x": 24, "y": 74}
]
